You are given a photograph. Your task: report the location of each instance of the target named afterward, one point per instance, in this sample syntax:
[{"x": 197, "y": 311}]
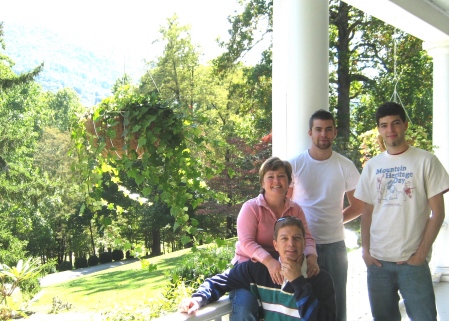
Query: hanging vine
[{"x": 147, "y": 140}]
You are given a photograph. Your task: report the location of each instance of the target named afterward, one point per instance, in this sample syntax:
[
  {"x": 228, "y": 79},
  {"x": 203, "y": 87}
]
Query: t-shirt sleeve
[
  {"x": 352, "y": 177},
  {"x": 437, "y": 178},
  {"x": 362, "y": 191}
]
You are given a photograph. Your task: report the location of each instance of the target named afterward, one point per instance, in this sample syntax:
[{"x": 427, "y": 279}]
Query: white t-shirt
[
  {"x": 319, "y": 188},
  {"x": 399, "y": 186}
]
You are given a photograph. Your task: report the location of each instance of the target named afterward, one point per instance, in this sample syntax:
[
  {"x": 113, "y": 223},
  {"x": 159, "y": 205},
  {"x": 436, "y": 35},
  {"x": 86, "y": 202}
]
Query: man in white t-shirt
[
  {"x": 400, "y": 188},
  {"x": 321, "y": 179}
]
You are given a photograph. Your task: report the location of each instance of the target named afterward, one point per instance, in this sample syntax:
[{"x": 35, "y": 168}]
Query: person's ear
[{"x": 275, "y": 245}]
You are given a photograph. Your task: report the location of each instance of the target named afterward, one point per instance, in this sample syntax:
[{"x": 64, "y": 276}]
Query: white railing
[{"x": 217, "y": 311}]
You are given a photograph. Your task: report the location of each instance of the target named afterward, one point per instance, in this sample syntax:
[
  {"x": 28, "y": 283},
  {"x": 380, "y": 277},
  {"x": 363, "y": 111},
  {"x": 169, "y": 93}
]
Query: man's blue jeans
[
  {"x": 415, "y": 285},
  {"x": 333, "y": 258},
  {"x": 245, "y": 306}
]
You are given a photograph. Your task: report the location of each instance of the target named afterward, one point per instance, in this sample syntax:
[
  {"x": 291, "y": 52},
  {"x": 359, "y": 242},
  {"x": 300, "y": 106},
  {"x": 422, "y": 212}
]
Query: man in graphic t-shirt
[{"x": 402, "y": 190}]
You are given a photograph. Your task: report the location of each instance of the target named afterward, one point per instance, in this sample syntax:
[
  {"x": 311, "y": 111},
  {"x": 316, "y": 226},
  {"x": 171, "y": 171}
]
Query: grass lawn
[{"x": 127, "y": 286}]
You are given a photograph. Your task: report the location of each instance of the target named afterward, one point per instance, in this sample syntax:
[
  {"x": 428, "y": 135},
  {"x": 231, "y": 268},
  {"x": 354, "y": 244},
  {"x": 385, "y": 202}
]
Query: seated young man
[{"x": 298, "y": 297}]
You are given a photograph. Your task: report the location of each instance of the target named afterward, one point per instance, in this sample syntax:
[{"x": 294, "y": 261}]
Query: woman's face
[{"x": 275, "y": 182}]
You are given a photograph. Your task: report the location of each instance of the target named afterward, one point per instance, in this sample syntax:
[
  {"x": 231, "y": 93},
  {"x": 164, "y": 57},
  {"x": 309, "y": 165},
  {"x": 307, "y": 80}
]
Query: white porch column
[
  {"x": 300, "y": 71},
  {"x": 440, "y": 54}
]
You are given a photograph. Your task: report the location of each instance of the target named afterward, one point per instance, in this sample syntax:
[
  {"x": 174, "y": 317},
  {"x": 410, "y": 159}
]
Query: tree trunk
[
  {"x": 343, "y": 74},
  {"x": 156, "y": 246},
  {"x": 230, "y": 227}
]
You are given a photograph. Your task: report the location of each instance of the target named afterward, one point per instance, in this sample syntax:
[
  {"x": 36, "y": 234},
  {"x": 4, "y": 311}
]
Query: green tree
[
  {"x": 23, "y": 114},
  {"x": 65, "y": 105},
  {"x": 8, "y": 79},
  {"x": 58, "y": 207},
  {"x": 122, "y": 81},
  {"x": 174, "y": 73},
  {"x": 404, "y": 76}
]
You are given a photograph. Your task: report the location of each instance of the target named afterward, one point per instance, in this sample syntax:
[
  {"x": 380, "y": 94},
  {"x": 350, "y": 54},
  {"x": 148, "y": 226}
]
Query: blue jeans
[
  {"x": 334, "y": 259},
  {"x": 244, "y": 306},
  {"x": 415, "y": 285}
]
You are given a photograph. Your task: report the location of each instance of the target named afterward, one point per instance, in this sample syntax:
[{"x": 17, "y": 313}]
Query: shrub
[
  {"x": 93, "y": 260},
  {"x": 30, "y": 287},
  {"x": 117, "y": 255},
  {"x": 65, "y": 266},
  {"x": 202, "y": 264},
  {"x": 129, "y": 255},
  {"x": 105, "y": 257},
  {"x": 51, "y": 266},
  {"x": 169, "y": 299},
  {"x": 80, "y": 262}
]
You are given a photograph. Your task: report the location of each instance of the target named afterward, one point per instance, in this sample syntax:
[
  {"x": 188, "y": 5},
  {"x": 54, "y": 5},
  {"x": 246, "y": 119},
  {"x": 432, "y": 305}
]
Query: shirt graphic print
[{"x": 394, "y": 185}]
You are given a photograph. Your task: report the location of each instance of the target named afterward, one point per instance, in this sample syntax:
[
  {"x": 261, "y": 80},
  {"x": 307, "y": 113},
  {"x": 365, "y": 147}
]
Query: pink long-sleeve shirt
[{"x": 255, "y": 228}]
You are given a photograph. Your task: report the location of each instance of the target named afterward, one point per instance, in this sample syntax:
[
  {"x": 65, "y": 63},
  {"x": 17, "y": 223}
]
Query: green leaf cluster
[{"x": 161, "y": 165}]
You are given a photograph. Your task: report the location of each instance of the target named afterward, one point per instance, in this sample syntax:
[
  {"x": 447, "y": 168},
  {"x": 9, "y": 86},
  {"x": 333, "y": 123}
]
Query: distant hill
[{"x": 89, "y": 72}]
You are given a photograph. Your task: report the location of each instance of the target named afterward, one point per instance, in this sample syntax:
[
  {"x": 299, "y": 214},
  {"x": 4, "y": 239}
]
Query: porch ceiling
[{"x": 427, "y": 20}]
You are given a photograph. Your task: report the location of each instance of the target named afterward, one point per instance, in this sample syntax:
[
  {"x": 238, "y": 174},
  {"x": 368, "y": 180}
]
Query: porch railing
[{"x": 217, "y": 311}]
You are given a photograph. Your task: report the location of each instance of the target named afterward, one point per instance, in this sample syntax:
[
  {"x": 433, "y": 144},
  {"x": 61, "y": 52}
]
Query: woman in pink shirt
[{"x": 255, "y": 224}]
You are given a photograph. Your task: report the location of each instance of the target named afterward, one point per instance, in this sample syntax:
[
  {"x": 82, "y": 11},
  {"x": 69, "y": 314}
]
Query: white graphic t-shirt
[{"x": 399, "y": 186}]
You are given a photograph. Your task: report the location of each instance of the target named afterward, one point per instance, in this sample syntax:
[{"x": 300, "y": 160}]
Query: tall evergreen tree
[{"x": 8, "y": 78}]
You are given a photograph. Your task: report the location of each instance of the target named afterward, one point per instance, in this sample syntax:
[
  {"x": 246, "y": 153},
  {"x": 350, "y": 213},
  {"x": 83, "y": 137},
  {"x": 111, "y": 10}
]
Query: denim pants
[
  {"x": 333, "y": 258},
  {"x": 414, "y": 284},
  {"x": 245, "y": 306}
]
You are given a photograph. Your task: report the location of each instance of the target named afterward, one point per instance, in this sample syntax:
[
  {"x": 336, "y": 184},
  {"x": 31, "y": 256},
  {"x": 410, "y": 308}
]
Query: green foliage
[
  {"x": 202, "y": 264},
  {"x": 24, "y": 275},
  {"x": 65, "y": 105},
  {"x": 29, "y": 288},
  {"x": 247, "y": 29},
  {"x": 80, "y": 262},
  {"x": 117, "y": 255},
  {"x": 93, "y": 260},
  {"x": 163, "y": 303},
  {"x": 175, "y": 75},
  {"x": 11, "y": 248},
  {"x": 189, "y": 275},
  {"x": 64, "y": 266},
  {"x": 162, "y": 167},
  {"x": 105, "y": 257},
  {"x": 172, "y": 296},
  {"x": 49, "y": 267}
]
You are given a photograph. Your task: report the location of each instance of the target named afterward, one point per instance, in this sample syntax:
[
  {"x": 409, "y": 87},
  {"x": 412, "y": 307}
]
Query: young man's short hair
[
  {"x": 321, "y": 114},
  {"x": 390, "y": 109}
]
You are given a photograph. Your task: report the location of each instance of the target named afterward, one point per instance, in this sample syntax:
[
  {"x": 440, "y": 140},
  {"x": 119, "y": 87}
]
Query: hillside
[{"x": 89, "y": 72}]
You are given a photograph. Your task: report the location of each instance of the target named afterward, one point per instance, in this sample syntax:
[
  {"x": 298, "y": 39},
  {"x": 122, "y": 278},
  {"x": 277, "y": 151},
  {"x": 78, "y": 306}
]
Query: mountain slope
[{"x": 89, "y": 72}]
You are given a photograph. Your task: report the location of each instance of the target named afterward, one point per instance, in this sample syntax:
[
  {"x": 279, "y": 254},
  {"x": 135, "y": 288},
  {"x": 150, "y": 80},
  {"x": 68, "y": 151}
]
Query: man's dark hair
[
  {"x": 322, "y": 115},
  {"x": 288, "y": 221},
  {"x": 390, "y": 109}
]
